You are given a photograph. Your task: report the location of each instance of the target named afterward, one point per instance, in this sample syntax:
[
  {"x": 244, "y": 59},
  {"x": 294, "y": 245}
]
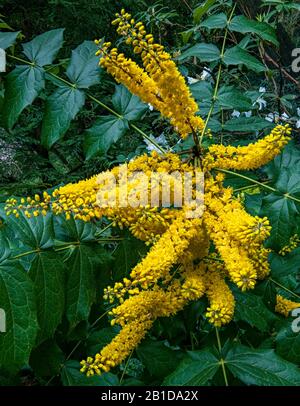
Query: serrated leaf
[
  {"x": 7, "y": 39},
  {"x": 237, "y": 56},
  {"x": 215, "y": 21},
  {"x": 43, "y": 49},
  {"x": 281, "y": 213},
  {"x": 61, "y": 108},
  {"x": 83, "y": 69},
  {"x": 73, "y": 230},
  {"x": 18, "y": 301},
  {"x": 286, "y": 270},
  {"x": 251, "y": 309},
  {"x": 71, "y": 376},
  {"x": 205, "y": 52},
  {"x": 48, "y": 275},
  {"x": 289, "y": 158},
  {"x": 247, "y": 124},
  {"x": 22, "y": 86},
  {"x": 261, "y": 367},
  {"x": 80, "y": 285},
  {"x": 36, "y": 232},
  {"x": 288, "y": 344},
  {"x": 127, "y": 104},
  {"x": 231, "y": 98},
  {"x": 289, "y": 181},
  {"x": 196, "y": 369},
  {"x": 201, "y": 90},
  {"x": 244, "y": 25},
  {"x": 106, "y": 131},
  {"x": 159, "y": 359}
]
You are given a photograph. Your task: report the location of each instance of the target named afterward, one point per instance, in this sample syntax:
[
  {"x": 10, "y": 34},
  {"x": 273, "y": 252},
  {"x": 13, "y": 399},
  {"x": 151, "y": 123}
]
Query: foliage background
[{"x": 52, "y": 272}]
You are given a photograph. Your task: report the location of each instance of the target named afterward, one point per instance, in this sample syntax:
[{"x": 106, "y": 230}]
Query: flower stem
[{"x": 222, "y": 363}]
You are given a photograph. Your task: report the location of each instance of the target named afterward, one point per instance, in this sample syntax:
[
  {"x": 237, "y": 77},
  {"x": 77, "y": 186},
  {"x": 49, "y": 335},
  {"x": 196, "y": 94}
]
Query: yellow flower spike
[{"x": 285, "y": 306}]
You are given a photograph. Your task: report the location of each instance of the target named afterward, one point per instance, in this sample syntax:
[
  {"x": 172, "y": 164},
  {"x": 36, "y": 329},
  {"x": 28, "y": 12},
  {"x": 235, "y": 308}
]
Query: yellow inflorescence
[
  {"x": 189, "y": 256},
  {"x": 285, "y": 306},
  {"x": 293, "y": 244},
  {"x": 160, "y": 84}
]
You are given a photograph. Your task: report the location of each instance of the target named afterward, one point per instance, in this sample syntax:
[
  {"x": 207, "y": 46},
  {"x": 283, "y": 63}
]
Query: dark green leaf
[
  {"x": 247, "y": 124},
  {"x": 106, "y": 131},
  {"x": 205, "y": 52},
  {"x": 127, "y": 104},
  {"x": 98, "y": 339},
  {"x": 231, "y": 98},
  {"x": 7, "y": 39},
  {"x": 237, "y": 55},
  {"x": 83, "y": 69},
  {"x": 261, "y": 367},
  {"x": 201, "y": 90},
  {"x": 286, "y": 270},
  {"x": 251, "y": 309},
  {"x": 46, "y": 359},
  {"x": 18, "y": 301},
  {"x": 61, "y": 108},
  {"x": 48, "y": 275},
  {"x": 159, "y": 359},
  {"x": 215, "y": 21},
  {"x": 43, "y": 49},
  {"x": 282, "y": 213},
  {"x": 196, "y": 369},
  {"x": 23, "y": 85},
  {"x": 263, "y": 30},
  {"x": 71, "y": 376},
  {"x": 288, "y": 343}
]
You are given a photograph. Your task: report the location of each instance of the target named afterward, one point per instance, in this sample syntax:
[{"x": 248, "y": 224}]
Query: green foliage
[{"x": 64, "y": 119}]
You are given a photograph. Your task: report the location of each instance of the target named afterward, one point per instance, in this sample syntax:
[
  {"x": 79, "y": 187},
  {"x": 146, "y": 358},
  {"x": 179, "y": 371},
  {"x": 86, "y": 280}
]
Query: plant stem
[
  {"x": 221, "y": 359},
  {"x": 272, "y": 189},
  {"x": 216, "y": 89},
  {"x": 126, "y": 366},
  {"x": 284, "y": 288}
]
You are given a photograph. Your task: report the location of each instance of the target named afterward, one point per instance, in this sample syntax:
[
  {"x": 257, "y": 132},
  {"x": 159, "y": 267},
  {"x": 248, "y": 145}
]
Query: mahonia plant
[{"x": 188, "y": 257}]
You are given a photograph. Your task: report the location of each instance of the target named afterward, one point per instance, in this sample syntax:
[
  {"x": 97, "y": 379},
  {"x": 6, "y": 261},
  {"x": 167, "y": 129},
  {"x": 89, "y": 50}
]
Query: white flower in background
[
  {"x": 192, "y": 80},
  {"x": 235, "y": 113},
  {"x": 298, "y": 121},
  {"x": 275, "y": 117},
  {"x": 206, "y": 74},
  {"x": 151, "y": 108},
  {"x": 260, "y": 101},
  {"x": 161, "y": 140},
  {"x": 262, "y": 89},
  {"x": 248, "y": 113}
]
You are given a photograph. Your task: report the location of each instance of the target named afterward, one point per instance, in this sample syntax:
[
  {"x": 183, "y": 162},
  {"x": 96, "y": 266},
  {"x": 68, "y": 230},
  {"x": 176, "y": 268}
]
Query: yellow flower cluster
[
  {"x": 160, "y": 84},
  {"x": 285, "y": 306},
  {"x": 293, "y": 244},
  {"x": 189, "y": 256},
  {"x": 251, "y": 156}
]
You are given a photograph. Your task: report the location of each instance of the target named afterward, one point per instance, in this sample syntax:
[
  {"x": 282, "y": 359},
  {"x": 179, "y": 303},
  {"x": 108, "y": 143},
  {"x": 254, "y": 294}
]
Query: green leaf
[
  {"x": 7, "y": 39},
  {"x": 127, "y": 104},
  {"x": 231, "y": 98},
  {"x": 282, "y": 214},
  {"x": 46, "y": 359},
  {"x": 261, "y": 367},
  {"x": 43, "y": 49},
  {"x": 73, "y": 230},
  {"x": 71, "y": 376},
  {"x": 48, "y": 275},
  {"x": 288, "y": 344},
  {"x": 201, "y": 90},
  {"x": 286, "y": 270},
  {"x": 35, "y": 233},
  {"x": 81, "y": 287},
  {"x": 105, "y": 132},
  {"x": 205, "y": 52},
  {"x": 22, "y": 86},
  {"x": 247, "y": 124},
  {"x": 159, "y": 359},
  {"x": 288, "y": 181},
  {"x": 201, "y": 10},
  {"x": 289, "y": 158},
  {"x": 251, "y": 309},
  {"x": 83, "y": 69},
  {"x": 99, "y": 339},
  {"x": 263, "y": 30},
  {"x": 196, "y": 369},
  {"x": 238, "y": 56},
  {"x": 61, "y": 108},
  {"x": 215, "y": 21},
  {"x": 18, "y": 301}
]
